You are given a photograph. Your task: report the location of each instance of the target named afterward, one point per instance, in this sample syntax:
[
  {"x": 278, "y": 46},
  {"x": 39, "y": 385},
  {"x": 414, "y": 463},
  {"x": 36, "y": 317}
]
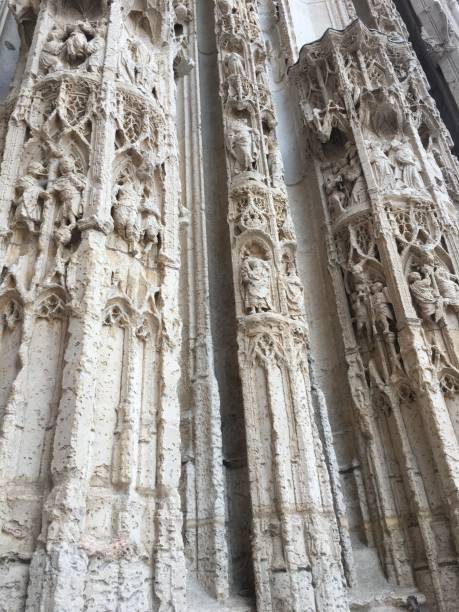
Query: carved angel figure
[
  {"x": 241, "y": 142},
  {"x": 125, "y": 209},
  {"x": 409, "y": 170},
  {"x": 256, "y": 282},
  {"x": 67, "y": 189},
  {"x": 430, "y": 303},
  {"x": 448, "y": 287},
  {"x": 30, "y": 193}
]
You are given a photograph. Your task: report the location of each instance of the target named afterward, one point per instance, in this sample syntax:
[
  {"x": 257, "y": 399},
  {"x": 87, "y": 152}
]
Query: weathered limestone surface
[{"x": 229, "y": 301}]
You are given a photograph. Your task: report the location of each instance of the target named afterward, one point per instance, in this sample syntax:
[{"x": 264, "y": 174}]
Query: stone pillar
[
  {"x": 90, "y": 418},
  {"x": 297, "y": 557},
  {"x": 381, "y": 153}
]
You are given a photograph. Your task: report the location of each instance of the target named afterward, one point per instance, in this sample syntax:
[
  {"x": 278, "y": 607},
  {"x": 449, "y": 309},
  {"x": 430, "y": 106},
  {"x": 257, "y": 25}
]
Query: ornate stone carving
[
  {"x": 30, "y": 195},
  {"x": 256, "y": 283}
]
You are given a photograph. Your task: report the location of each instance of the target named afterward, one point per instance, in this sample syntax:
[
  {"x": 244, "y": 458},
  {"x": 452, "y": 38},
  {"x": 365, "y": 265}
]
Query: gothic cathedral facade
[{"x": 229, "y": 305}]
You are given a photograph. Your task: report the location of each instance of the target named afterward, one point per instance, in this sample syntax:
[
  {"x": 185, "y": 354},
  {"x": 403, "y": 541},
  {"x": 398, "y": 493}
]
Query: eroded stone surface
[{"x": 260, "y": 418}]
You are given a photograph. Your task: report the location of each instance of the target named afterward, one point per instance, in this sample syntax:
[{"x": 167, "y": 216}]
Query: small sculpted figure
[
  {"x": 151, "y": 226},
  {"x": 30, "y": 193},
  {"x": 256, "y": 282},
  {"x": 429, "y": 302},
  {"x": 95, "y": 50},
  {"x": 67, "y": 189},
  {"x": 76, "y": 45},
  {"x": 334, "y": 189},
  {"x": 383, "y": 168},
  {"x": 235, "y": 74},
  {"x": 409, "y": 170},
  {"x": 352, "y": 174},
  {"x": 448, "y": 287},
  {"x": 435, "y": 168},
  {"x": 360, "y": 310},
  {"x": 50, "y": 60},
  {"x": 125, "y": 209},
  {"x": 275, "y": 164},
  {"x": 381, "y": 307},
  {"x": 293, "y": 290},
  {"x": 241, "y": 143}
]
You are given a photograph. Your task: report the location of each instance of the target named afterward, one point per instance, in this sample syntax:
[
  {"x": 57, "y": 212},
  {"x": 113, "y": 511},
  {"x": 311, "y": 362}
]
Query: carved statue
[
  {"x": 293, "y": 290},
  {"x": 242, "y": 144},
  {"x": 76, "y": 45},
  {"x": 448, "y": 287},
  {"x": 352, "y": 174},
  {"x": 360, "y": 310},
  {"x": 29, "y": 195},
  {"x": 334, "y": 189},
  {"x": 435, "y": 168},
  {"x": 408, "y": 165},
  {"x": 95, "y": 50},
  {"x": 151, "y": 228},
  {"x": 50, "y": 56},
  {"x": 125, "y": 209},
  {"x": 235, "y": 73},
  {"x": 256, "y": 282},
  {"x": 67, "y": 189},
  {"x": 381, "y": 307},
  {"x": 430, "y": 303},
  {"x": 383, "y": 169},
  {"x": 275, "y": 164}
]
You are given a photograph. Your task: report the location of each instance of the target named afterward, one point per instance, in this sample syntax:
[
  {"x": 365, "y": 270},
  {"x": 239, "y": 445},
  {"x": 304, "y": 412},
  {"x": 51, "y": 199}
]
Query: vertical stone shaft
[
  {"x": 92, "y": 201},
  {"x": 206, "y": 534},
  {"x": 382, "y": 155},
  {"x": 295, "y": 544}
]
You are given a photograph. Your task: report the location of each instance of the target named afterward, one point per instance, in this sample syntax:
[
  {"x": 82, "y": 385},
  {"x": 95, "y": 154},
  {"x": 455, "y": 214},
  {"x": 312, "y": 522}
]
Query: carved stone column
[
  {"x": 388, "y": 187},
  {"x": 295, "y": 541},
  {"x": 88, "y": 296}
]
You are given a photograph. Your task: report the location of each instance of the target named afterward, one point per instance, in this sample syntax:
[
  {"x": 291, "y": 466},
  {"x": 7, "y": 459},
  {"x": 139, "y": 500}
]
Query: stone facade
[{"x": 229, "y": 306}]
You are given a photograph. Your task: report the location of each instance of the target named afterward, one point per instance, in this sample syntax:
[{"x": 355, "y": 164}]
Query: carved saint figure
[
  {"x": 381, "y": 307},
  {"x": 235, "y": 73},
  {"x": 29, "y": 194},
  {"x": 275, "y": 164},
  {"x": 426, "y": 298},
  {"x": 125, "y": 209},
  {"x": 95, "y": 50},
  {"x": 360, "y": 310},
  {"x": 435, "y": 168},
  {"x": 408, "y": 165},
  {"x": 383, "y": 168},
  {"x": 293, "y": 290},
  {"x": 352, "y": 174},
  {"x": 256, "y": 282},
  {"x": 52, "y": 49},
  {"x": 448, "y": 287},
  {"x": 67, "y": 188},
  {"x": 241, "y": 143}
]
